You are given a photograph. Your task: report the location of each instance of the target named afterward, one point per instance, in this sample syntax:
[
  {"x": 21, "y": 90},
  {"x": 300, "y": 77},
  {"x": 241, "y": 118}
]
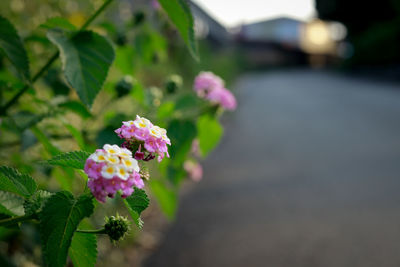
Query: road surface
[{"x": 307, "y": 174}]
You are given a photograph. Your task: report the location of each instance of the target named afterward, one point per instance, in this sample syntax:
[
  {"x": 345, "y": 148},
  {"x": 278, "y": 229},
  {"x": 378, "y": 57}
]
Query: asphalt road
[{"x": 308, "y": 174}]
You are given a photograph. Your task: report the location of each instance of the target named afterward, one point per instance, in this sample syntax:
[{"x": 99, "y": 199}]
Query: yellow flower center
[{"x": 113, "y": 160}]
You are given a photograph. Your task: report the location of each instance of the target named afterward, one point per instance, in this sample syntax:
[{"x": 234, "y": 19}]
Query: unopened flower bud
[
  {"x": 116, "y": 227},
  {"x": 139, "y": 155},
  {"x": 173, "y": 83},
  {"x": 125, "y": 85}
]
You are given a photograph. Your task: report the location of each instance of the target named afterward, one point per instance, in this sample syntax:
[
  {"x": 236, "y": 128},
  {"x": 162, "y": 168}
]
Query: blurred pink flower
[
  {"x": 211, "y": 87},
  {"x": 195, "y": 150},
  {"x": 206, "y": 82},
  {"x": 155, "y": 4},
  {"x": 194, "y": 170},
  {"x": 223, "y": 97}
]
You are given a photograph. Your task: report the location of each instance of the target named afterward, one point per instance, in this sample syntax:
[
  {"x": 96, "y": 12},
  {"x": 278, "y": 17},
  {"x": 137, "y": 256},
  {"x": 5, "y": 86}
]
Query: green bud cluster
[
  {"x": 116, "y": 227},
  {"x": 173, "y": 83},
  {"x": 125, "y": 85}
]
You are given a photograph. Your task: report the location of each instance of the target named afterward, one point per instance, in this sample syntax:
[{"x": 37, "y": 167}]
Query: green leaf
[
  {"x": 181, "y": 133},
  {"x": 138, "y": 93},
  {"x": 59, "y": 219},
  {"x": 74, "y": 159},
  {"x": 44, "y": 140},
  {"x": 186, "y": 101},
  {"x": 25, "y": 119},
  {"x": 76, "y": 107},
  {"x": 165, "y": 110},
  {"x": 13, "y": 48},
  {"x": 107, "y": 136},
  {"x": 180, "y": 14},
  {"x": 210, "y": 132},
  {"x": 77, "y": 135},
  {"x": 136, "y": 203},
  {"x": 63, "y": 177},
  {"x": 83, "y": 250},
  {"x": 175, "y": 174},
  {"x": 166, "y": 198},
  {"x": 36, "y": 202},
  {"x": 124, "y": 59},
  {"x": 11, "y": 204},
  {"x": 58, "y": 23},
  {"x": 86, "y": 59},
  {"x": 13, "y": 181}
]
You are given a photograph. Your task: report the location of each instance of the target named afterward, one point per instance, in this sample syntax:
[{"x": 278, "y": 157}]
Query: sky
[{"x": 234, "y": 12}]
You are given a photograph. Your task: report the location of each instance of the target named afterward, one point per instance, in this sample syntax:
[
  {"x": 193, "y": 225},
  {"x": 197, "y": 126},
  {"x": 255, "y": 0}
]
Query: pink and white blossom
[
  {"x": 111, "y": 170},
  {"x": 144, "y": 139}
]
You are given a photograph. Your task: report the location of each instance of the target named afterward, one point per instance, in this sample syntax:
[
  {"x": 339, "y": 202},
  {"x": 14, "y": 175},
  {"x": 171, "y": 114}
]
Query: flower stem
[
  {"x": 97, "y": 231},
  {"x": 14, "y": 99},
  {"x": 97, "y": 13},
  {"x": 18, "y": 219}
]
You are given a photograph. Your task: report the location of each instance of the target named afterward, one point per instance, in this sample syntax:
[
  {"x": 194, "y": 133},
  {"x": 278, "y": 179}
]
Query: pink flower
[
  {"x": 206, "y": 82},
  {"x": 142, "y": 134},
  {"x": 211, "y": 87},
  {"x": 223, "y": 97},
  {"x": 111, "y": 170},
  {"x": 194, "y": 170},
  {"x": 195, "y": 150},
  {"x": 155, "y": 4}
]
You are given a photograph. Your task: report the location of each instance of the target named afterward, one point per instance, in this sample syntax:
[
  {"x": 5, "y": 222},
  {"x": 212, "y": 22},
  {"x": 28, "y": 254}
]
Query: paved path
[{"x": 308, "y": 174}]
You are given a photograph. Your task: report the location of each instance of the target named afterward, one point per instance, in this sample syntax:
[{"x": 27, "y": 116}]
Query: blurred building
[
  {"x": 285, "y": 31},
  {"x": 207, "y": 27},
  {"x": 272, "y": 42}
]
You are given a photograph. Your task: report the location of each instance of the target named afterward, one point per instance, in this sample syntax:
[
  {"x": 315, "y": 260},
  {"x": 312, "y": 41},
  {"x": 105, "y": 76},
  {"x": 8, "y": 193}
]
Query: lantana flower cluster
[
  {"x": 113, "y": 169},
  {"x": 211, "y": 87},
  {"x": 110, "y": 170},
  {"x": 146, "y": 139}
]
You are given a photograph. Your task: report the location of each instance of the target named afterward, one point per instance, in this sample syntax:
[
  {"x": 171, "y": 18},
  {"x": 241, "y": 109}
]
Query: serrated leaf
[
  {"x": 83, "y": 250},
  {"x": 210, "y": 132},
  {"x": 74, "y": 159},
  {"x": 86, "y": 58},
  {"x": 13, "y": 181},
  {"x": 59, "y": 219},
  {"x": 136, "y": 204},
  {"x": 12, "y": 46},
  {"x": 58, "y": 23},
  {"x": 36, "y": 202},
  {"x": 180, "y": 14},
  {"x": 11, "y": 204}
]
